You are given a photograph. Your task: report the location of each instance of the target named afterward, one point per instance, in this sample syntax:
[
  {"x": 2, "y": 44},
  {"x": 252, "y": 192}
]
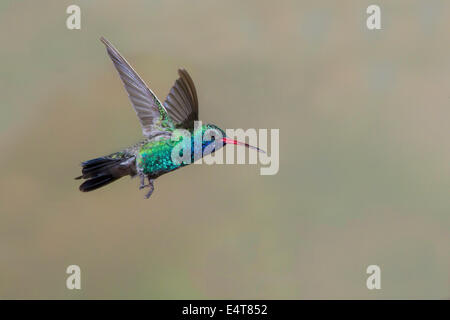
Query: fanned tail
[{"x": 102, "y": 171}]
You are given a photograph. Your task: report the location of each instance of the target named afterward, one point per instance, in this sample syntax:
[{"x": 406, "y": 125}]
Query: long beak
[{"x": 231, "y": 141}]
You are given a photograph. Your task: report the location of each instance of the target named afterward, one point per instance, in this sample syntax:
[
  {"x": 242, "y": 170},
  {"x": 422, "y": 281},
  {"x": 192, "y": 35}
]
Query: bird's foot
[{"x": 149, "y": 185}]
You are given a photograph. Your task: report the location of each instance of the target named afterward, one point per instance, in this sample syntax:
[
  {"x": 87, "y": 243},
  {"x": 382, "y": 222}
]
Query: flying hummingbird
[{"x": 151, "y": 157}]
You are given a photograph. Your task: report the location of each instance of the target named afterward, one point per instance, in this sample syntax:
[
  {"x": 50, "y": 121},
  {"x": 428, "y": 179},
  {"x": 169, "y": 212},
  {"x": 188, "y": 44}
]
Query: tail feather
[
  {"x": 97, "y": 166},
  {"x": 97, "y": 182},
  {"x": 102, "y": 171}
]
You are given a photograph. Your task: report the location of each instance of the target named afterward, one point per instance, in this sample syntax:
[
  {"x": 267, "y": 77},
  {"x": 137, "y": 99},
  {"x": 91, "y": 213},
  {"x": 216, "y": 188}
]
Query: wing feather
[
  {"x": 149, "y": 109},
  {"x": 182, "y": 102}
]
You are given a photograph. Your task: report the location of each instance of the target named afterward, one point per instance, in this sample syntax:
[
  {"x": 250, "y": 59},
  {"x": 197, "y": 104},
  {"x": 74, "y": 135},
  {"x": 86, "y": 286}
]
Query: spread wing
[
  {"x": 149, "y": 109},
  {"x": 182, "y": 102}
]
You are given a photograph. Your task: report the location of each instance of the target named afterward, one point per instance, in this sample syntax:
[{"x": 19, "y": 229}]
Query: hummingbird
[{"x": 152, "y": 156}]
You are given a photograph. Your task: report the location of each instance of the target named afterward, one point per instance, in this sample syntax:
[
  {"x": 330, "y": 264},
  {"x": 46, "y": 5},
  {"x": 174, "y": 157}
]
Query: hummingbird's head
[
  {"x": 210, "y": 133},
  {"x": 217, "y": 132}
]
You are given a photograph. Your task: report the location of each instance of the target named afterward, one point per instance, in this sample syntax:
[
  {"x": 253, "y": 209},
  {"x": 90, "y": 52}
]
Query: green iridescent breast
[{"x": 155, "y": 157}]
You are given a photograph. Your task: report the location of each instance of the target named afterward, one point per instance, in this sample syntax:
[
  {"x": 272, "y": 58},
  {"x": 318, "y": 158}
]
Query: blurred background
[{"x": 364, "y": 151}]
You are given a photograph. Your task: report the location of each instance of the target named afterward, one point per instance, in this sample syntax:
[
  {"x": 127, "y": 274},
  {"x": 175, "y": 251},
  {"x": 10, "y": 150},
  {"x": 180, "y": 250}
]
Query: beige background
[{"x": 364, "y": 151}]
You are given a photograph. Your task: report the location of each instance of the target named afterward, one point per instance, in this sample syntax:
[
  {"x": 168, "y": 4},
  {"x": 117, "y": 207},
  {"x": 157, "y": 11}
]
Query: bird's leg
[
  {"x": 150, "y": 185},
  {"x": 142, "y": 185}
]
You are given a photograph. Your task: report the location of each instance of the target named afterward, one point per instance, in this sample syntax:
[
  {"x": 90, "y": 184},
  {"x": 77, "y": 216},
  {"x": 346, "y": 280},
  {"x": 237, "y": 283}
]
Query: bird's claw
[
  {"x": 149, "y": 185},
  {"x": 149, "y": 193}
]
